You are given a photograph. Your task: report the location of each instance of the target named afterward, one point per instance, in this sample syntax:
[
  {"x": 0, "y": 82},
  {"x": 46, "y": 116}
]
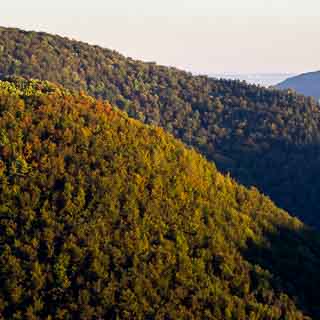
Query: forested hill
[
  {"x": 307, "y": 84},
  {"x": 263, "y": 137},
  {"x": 102, "y": 217}
]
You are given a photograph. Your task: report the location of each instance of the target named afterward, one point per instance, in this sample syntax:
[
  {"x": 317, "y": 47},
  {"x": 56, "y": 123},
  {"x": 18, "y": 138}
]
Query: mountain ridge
[
  {"x": 262, "y": 137},
  {"x": 306, "y": 83}
]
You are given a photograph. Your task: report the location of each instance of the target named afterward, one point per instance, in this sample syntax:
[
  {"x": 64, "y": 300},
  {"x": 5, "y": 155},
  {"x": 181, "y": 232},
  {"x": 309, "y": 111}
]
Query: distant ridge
[{"x": 307, "y": 84}]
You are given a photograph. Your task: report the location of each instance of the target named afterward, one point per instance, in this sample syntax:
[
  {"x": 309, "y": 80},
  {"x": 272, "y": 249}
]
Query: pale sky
[{"x": 202, "y": 36}]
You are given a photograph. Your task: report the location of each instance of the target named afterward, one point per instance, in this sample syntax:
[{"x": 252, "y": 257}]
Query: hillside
[
  {"x": 307, "y": 84},
  {"x": 102, "y": 217},
  {"x": 263, "y": 137}
]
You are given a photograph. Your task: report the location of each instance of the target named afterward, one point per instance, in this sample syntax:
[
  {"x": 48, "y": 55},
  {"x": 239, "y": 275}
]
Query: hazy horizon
[
  {"x": 259, "y": 78},
  {"x": 202, "y": 37}
]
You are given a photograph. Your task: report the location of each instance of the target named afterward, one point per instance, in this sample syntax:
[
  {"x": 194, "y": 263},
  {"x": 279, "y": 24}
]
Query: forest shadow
[
  {"x": 293, "y": 259},
  {"x": 287, "y": 173}
]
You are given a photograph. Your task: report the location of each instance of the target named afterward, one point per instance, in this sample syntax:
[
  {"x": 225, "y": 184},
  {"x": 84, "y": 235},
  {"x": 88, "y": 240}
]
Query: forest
[
  {"x": 263, "y": 137},
  {"x": 104, "y": 217}
]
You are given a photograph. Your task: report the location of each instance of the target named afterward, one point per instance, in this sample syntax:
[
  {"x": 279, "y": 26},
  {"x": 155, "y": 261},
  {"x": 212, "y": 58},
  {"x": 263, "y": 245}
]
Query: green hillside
[
  {"x": 263, "y": 137},
  {"x": 102, "y": 217}
]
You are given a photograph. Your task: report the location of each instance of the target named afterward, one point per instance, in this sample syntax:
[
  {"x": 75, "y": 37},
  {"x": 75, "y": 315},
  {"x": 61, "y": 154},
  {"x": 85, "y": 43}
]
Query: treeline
[
  {"x": 102, "y": 217},
  {"x": 263, "y": 137}
]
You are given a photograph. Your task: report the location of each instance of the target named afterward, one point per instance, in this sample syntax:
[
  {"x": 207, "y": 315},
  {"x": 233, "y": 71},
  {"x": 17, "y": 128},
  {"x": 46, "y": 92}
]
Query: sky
[{"x": 202, "y": 36}]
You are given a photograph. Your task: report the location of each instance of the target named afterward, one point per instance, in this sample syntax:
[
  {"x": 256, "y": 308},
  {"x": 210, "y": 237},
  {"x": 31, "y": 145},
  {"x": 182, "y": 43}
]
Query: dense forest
[
  {"x": 103, "y": 217},
  {"x": 263, "y": 137}
]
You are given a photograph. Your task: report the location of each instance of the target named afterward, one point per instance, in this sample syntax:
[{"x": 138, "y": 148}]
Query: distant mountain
[
  {"x": 103, "y": 217},
  {"x": 307, "y": 84},
  {"x": 262, "y": 137}
]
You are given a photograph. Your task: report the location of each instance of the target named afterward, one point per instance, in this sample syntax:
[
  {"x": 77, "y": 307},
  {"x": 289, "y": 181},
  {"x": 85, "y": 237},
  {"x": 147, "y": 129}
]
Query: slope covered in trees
[
  {"x": 102, "y": 217},
  {"x": 307, "y": 84},
  {"x": 263, "y": 137}
]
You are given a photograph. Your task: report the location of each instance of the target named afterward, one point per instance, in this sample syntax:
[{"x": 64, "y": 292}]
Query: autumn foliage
[{"x": 103, "y": 217}]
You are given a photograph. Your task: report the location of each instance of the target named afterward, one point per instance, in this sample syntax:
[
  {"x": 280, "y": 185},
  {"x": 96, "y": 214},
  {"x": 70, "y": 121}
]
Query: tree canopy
[
  {"x": 263, "y": 137},
  {"x": 103, "y": 217}
]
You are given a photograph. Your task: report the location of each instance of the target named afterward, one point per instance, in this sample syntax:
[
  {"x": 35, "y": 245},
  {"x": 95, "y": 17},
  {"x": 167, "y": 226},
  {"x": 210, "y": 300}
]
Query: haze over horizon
[{"x": 207, "y": 37}]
